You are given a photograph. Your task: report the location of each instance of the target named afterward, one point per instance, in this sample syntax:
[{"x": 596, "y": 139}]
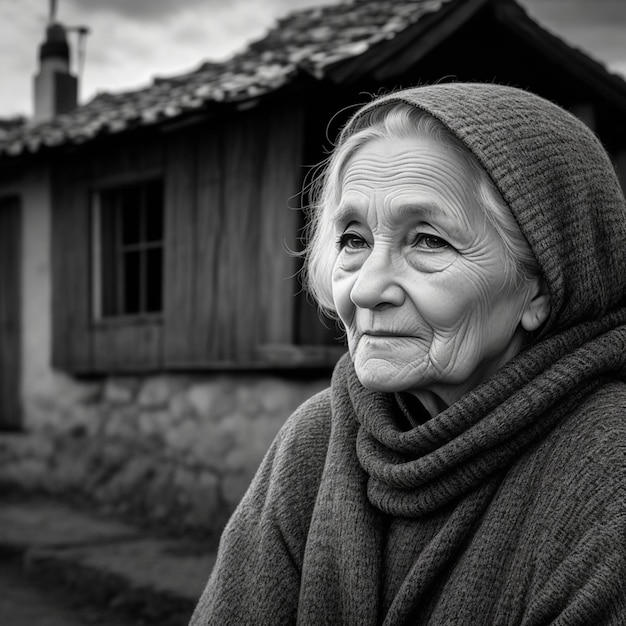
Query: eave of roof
[
  {"x": 305, "y": 42},
  {"x": 414, "y": 42},
  {"x": 336, "y": 42}
]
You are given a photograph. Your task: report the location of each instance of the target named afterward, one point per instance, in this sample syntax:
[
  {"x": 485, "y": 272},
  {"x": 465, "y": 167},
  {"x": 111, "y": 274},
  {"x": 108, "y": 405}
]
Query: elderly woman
[{"x": 468, "y": 463}]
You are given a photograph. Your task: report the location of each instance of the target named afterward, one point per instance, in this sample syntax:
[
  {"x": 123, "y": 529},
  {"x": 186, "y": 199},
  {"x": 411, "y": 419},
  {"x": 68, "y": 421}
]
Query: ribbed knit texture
[{"x": 510, "y": 506}]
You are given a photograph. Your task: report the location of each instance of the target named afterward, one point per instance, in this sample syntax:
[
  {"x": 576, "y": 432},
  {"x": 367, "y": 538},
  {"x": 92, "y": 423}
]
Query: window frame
[{"x": 98, "y": 317}]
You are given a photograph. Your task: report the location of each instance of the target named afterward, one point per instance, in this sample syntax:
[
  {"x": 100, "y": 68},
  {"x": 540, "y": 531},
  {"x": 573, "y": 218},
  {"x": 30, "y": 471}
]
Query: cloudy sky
[{"x": 132, "y": 41}]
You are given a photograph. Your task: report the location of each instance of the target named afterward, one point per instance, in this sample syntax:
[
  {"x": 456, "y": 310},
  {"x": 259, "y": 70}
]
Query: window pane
[
  {"x": 131, "y": 215},
  {"x": 154, "y": 212},
  {"x": 132, "y": 282},
  {"x": 154, "y": 280},
  {"x": 131, "y": 243},
  {"x": 109, "y": 254}
]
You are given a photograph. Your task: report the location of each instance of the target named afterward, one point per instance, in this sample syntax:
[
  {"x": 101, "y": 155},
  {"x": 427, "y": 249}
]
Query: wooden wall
[
  {"x": 229, "y": 221},
  {"x": 229, "y": 281}
]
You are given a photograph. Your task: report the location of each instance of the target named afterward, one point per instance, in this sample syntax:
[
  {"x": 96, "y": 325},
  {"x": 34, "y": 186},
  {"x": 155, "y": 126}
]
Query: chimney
[{"x": 56, "y": 89}]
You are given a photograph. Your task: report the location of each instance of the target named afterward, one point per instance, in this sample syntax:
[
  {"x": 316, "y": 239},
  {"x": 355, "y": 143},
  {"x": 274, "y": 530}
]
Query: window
[
  {"x": 168, "y": 251},
  {"x": 129, "y": 250}
]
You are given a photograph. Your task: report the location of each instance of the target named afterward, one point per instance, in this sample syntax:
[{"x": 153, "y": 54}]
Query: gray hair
[{"x": 399, "y": 120}]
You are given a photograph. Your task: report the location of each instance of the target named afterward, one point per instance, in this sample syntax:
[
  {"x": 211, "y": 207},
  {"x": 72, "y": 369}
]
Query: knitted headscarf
[
  {"x": 557, "y": 180},
  {"x": 563, "y": 192}
]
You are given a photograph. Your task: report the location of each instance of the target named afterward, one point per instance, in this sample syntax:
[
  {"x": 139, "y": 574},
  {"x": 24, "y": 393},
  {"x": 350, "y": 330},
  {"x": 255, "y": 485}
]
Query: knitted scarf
[
  {"x": 560, "y": 186},
  {"x": 454, "y": 460}
]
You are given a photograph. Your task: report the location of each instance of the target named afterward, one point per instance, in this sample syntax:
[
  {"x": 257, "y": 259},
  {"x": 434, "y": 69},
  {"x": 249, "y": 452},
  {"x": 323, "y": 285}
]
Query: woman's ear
[{"x": 538, "y": 306}]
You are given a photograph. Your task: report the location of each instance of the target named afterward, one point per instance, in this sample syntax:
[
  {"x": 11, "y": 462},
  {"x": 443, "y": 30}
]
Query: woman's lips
[{"x": 386, "y": 333}]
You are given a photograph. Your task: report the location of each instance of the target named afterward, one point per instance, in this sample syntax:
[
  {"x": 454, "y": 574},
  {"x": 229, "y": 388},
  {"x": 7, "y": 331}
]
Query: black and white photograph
[{"x": 313, "y": 312}]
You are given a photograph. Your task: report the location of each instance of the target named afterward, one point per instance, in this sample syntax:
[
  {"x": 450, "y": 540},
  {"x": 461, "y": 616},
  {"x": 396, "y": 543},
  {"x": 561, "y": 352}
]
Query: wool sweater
[
  {"x": 509, "y": 507},
  {"x": 540, "y": 542}
]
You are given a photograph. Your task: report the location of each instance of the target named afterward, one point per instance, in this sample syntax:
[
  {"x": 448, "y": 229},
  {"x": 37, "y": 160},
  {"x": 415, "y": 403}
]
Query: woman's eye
[
  {"x": 351, "y": 241},
  {"x": 430, "y": 241}
]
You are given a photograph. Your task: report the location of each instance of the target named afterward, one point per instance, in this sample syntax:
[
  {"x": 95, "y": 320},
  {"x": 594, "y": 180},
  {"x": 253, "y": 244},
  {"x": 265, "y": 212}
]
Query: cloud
[
  {"x": 595, "y": 26},
  {"x": 140, "y": 10},
  {"x": 21, "y": 29},
  {"x": 619, "y": 68},
  {"x": 157, "y": 10},
  {"x": 125, "y": 52},
  {"x": 132, "y": 41}
]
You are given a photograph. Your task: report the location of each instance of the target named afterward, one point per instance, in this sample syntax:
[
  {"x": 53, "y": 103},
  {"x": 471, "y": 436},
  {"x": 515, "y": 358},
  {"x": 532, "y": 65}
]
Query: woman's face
[{"x": 419, "y": 280}]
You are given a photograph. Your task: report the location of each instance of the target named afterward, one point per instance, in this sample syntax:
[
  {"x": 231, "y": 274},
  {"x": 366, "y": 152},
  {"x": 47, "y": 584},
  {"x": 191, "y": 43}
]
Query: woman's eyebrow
[
  {"x": 345, "y": 214},
  {"x": 427, "y": 212},
  {"x": 349, "y": 211}
]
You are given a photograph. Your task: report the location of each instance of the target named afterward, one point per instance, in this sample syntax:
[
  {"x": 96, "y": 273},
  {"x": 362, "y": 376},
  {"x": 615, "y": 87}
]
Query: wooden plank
[
  {"x": 208, "y": 342},
  {"x": 126, "y": 159},
  {"x": 282, "y": 355},
  {"x": 10, "y": 301},
  {"x": 238, "y": 267},
  {"x": 127, "y": 346},
  {"x": 281, "y": 182},
  {"x": 71, "y": 280},
  {"x": 180, "y": 224}
]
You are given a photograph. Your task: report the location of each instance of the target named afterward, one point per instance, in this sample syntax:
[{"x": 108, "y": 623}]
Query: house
[{"x": 153, "y": 332}]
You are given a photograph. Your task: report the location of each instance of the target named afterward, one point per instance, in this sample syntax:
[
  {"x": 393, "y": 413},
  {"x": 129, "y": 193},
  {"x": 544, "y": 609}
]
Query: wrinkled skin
[{"x": 419, "y": 280}]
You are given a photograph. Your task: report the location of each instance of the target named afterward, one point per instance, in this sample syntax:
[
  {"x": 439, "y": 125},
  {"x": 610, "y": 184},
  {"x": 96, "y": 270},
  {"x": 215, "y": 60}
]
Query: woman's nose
[{"x": 376, "y": 285}]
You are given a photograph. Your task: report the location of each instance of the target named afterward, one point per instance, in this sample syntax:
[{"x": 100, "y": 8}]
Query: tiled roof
[
  {"x": 11, "y": 125},
  {"x": 308, "y": 41}
]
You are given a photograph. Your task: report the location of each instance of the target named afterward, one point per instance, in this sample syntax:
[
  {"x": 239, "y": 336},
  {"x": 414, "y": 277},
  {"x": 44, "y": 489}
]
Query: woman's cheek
[
  {"x": 350, "y": 261},
  {"x": 443, "y": 309},
  {"x": 342, "y": 283},
  {"x": 454, "y": 298},
  {"x": 433, "y": 262}
]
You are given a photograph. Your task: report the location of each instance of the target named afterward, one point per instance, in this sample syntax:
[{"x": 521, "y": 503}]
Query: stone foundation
[{"x": 173, "y": 451}]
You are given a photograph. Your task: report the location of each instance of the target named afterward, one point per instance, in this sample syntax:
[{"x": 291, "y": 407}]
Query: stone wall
[{"x": 173, "y": 451}]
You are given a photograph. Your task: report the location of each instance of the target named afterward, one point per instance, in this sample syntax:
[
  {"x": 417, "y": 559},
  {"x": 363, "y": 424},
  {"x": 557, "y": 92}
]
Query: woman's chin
[{"x": 383, "y": 375}]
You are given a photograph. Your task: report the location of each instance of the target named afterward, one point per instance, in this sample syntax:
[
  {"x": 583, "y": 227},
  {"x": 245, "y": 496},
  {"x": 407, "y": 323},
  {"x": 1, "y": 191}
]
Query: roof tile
[{"x": 309, "y": 41}]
